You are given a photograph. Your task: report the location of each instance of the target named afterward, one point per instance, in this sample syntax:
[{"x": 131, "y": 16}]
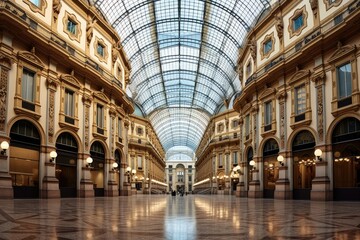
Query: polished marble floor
[{"x": 188, "y": 217}]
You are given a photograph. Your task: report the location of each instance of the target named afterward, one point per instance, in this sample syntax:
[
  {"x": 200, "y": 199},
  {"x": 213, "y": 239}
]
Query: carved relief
[
  {"x": 40, "y": 8},
  {"x": 3, "y": 94},
  {"x": 279, "y": 27},
  {"x": 255, "y": 132},
  {"x": 89, "y": 29},
  {"x": 282, "y": 124},
  {"x": 56, "y": 9},
  {"x": 252, "y": 47},
  {"x": 51, "y": 115},
  {"x": 87, "y": 102},
  {"x": 320, "y": 113}
]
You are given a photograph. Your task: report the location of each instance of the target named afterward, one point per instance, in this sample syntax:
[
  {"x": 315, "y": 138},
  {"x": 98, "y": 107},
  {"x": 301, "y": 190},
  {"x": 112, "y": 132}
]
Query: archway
[
  {"x": 180, "y": 178},
  {"x": 66, "y": 164},
  {"x": 271, "y": 171},
  {"x": 346, "y": 157},
  {"x": 24, "y": 159},
  {"x": 303, "y": 164},
  {"x": 97, "y": 171}
]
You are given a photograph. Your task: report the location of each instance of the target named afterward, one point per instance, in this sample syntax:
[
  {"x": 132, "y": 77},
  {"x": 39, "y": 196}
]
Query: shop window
[{"x": 297, "y": 22}]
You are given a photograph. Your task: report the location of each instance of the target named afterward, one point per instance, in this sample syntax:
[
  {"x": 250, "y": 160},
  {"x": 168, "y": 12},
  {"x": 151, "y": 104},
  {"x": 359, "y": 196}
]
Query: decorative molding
[
  {"x": 90, "y": 22},
  {"x": 279, "y": 25},
  {"x": 4, "y": 73},
  {"x": 37, "y": 9},
  {"x": 341, "y": 52},
  {"x": 71, "y": 80},
  {"x": 297, "y": 13},
  {"x": 282, "y": 124},
  {"x": 51, "y": 119},
  {"x": 100, "y": 41},
  {"x": 73, "y": 18},
  {"x": 268, "y": 37},
  {"x": 268, "y": 92},
  {"x": 31, "y": 58},
  {"x": 329, "y": 4},
  {"x": 320, "y": 112},
  {"x": 56, "y": 9}
]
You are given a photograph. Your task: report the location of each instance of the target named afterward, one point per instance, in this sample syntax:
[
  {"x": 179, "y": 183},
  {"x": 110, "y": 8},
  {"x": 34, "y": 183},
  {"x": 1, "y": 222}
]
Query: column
[
  {"x": 321, "y": 187},
  {"x": 50, "y": 184},
  {"x": 6, "y": 190},
  {"x": 282, "y": 185},
  {"x": 254, "y": 186}
]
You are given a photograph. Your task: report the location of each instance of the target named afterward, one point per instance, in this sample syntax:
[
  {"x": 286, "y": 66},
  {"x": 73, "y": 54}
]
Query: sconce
[
  {"x": 318, "y": 154},
  {"x": 4, "y": 146},
  {"x": 89, "y": 160},
  {"x": 237, "y": 170},
  {"x": 280, "y": 159},
  {"x": 133, "y": 172},
  {"x": 127, "y": 173},
  {"x": 115, "y": 166},
  {"x": 53, "y": 156},
  {"x": 252, "y": 165}
]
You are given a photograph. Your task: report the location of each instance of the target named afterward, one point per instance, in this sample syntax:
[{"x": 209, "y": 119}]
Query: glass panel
[
  {"x": 27, "y": 85},
  {"x": 344, "y": 80},
  {"x": 71, "y": 26},
  {"x": 183, "y": 55},
  {"x": 268, "y": 113},
  {"x": 100, "y": 116},
  {"x": 69, "y": 103},
  {"x": 300, "y": 100},
  {"x": 298, "y": 22}
]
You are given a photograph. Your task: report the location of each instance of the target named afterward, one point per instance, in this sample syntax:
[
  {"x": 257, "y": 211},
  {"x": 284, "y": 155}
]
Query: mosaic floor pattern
[{"x": 188, "y": 217}]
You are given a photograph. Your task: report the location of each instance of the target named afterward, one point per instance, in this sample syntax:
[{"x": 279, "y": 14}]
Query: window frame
[
  {"x": 72, "y": 18},
  {"x": 329, "y": 4},
  {"x": 101, "y": 42},
  {"x": 37, "y": 8},
  {"x": 297, "y": 13},
  {"x": 268, "y": 38}
]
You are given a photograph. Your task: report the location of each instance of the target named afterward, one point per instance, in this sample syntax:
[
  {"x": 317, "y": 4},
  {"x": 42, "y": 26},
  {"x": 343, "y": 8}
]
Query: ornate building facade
[
  {"x": 65, "y": 117},
  {"x": 299, "y": 105}
]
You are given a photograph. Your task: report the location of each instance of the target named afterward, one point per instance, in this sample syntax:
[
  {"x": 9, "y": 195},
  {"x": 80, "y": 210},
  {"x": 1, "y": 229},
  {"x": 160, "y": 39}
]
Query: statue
[
  {"x": 56, "y": 9},
  {"x": 115, "y": 51},
  {"x": 252, "y": 45},
  {"x": 89, "y": 29},
  {"x": 279, "y": 26}
]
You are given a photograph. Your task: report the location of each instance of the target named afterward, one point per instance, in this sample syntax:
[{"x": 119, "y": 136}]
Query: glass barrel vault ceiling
[{"x": 183, "y": 55}]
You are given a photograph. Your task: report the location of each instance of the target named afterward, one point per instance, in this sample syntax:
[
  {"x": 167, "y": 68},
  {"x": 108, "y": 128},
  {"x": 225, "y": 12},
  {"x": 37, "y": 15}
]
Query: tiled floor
[{"x": 189, "y": 217}]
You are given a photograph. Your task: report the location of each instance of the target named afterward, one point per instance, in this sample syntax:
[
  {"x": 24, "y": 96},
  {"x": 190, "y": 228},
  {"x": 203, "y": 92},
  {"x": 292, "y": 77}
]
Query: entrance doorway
[
  {"x": 66, "y": 164},
  {"x": 271, "y": 170},
  {"x": 303, "y": 164},
  {"x": 24, "y": 159},
  {"x": 97, "y": 171}
]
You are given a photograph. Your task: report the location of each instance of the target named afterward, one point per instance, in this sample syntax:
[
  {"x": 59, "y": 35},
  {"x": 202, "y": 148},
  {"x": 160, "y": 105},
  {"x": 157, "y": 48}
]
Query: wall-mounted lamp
[
  {"x": 115, "y": 166},
  {"x": 318, "y": 154},
  {"x": 53, "y": 155},
  {"x": 280, "y": 159},
  {"x": 127, "y": 173},
  {"x": 252, "y": 165},
  {"x": 89, "y": 161},
  {"x": 237, "y": 169},
  {"x": 4, "y": 146}
]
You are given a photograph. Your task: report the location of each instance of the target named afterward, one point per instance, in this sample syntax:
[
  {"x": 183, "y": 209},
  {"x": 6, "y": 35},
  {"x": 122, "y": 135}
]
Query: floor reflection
[{"x": 188, "y": 217}]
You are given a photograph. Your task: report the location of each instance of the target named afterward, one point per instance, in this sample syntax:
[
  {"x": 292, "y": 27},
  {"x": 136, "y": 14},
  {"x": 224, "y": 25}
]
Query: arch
[
  {"x": 295, "y": 132},
  {"x": 334, "y": 123},
  {"x": 74, "y": 135},
  {"x": 264, "y": 141},
  {"x": 104, "y": 145},
  {"x": 34, "y": 122},
  {"x": 180, "y": 166}
]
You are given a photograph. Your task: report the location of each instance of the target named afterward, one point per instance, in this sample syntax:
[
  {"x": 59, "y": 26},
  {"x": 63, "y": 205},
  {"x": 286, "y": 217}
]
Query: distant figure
[{"x": 173, "y": 193}]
